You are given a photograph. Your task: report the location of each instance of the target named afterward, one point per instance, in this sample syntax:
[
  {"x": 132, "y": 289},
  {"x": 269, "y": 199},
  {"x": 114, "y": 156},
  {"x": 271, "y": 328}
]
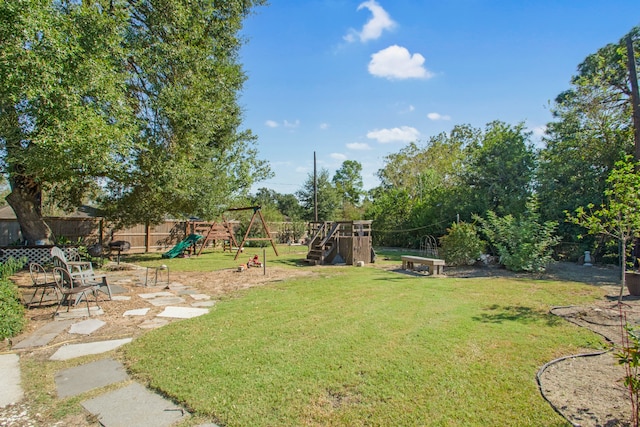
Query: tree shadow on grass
[{"x": 500, "y": 314}]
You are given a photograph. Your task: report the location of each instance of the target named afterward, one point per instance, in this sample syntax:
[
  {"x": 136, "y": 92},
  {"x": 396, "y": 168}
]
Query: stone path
[{"x": 130, "y": 403}]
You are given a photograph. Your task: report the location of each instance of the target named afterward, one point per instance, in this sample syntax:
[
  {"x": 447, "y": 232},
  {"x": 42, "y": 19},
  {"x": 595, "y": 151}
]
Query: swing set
[{"x": 224, "y": 231}]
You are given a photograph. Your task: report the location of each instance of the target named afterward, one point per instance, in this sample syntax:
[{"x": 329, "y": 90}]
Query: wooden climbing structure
[
  {"x": 340, "y": 242},
  {"x": 214, "y": 232},
  {"x": 257, "y": 211}
]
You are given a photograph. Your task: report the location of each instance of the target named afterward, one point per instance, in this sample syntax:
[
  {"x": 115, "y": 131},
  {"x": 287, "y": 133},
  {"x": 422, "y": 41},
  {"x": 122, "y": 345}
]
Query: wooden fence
[
  {"x": 90, "y": 231},
  {"x": 143, "y": 238}
]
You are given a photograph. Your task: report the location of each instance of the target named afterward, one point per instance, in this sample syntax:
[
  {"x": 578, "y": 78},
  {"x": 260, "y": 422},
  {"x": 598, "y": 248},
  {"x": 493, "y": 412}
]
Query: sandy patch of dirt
[{"x": 130, "y": 281}]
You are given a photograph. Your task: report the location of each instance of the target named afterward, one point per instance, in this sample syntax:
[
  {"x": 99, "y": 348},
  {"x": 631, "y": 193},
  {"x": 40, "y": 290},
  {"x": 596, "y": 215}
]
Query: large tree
[
  {"x": 133, "y": 100},
  {"x": 327, "y": 197},
  {"x": 64, "y": 119},
  {"x": 499, "y": 170},
  {"x": 348, "y": 181},
  {"x": 591, "y": 130}
]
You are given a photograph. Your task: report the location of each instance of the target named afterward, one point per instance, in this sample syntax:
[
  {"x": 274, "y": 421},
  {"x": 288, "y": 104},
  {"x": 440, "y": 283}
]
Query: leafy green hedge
[
  {"x": 461, "y": 245},
  {"x": 11, "y": 309}
]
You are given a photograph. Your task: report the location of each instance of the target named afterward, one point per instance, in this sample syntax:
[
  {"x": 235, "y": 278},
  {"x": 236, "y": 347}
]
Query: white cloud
[
  {"x": 539, "y": 131},
  {"x": 271, "y": 123},
  {"x": 358, "y": 146},
  {"x": 324, "y": 126},
  {"x": 302, "y": 169},
  {"x": 401, "y": 134},
  {"x": 289, "y": 124},
  {"x": 373, "y": 29},
  {"x": 338, "y": 156},
  {"x": 396, "y": 62},
  {"x": 438, "y": 116}
]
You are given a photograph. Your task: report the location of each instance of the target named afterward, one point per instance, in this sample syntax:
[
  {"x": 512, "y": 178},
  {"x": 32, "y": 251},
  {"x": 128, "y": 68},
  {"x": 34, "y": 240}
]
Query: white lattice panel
[{"x": 39, "y": 254}]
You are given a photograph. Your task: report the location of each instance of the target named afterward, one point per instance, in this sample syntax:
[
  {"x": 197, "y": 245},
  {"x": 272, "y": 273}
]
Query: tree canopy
[{"x": 135, "y": 103}]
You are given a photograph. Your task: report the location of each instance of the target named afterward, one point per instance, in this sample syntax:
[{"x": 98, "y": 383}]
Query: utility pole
[
  {"x": 635, "y": 97},
  {"x": 315, "y": 189}
]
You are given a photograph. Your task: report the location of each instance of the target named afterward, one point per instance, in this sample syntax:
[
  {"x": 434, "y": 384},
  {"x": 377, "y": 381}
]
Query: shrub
[
  {"x": 461, "y": 245},
  {"x": 522, "y": 243},
  {"x": 11, "y": 309},
  {"x": 629, "y": 356}
]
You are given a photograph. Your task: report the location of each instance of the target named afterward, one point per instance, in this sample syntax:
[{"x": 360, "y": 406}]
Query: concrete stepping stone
[
  {"x": 76, "y": 313},
  {"x": 86, "y": 327},
  {"x": 76, "y": 350},
  {"x": 187, "y": 292},
  {"x": 117, "y": 289},
  {"x": 136, "y": 312},
  {"x": 203, "y": 304},
  {"x": 120, "y": 298},
  {"x": 134, "y": 405},
  {"x": 77, "y": 380},
  {"x": 183, "y": 312},
  {"x": 11, "y": 390},
  {"x": 153, "y": 323},
  {"x": 45, "y": 334},
  {"x": 156, "y": 295},
  {"x": 200, "y": 297},
  {"x": 164, "y": 301}
]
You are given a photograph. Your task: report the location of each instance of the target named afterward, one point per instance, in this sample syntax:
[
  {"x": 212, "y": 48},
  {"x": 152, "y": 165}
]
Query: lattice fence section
[{"x": 39, "y": 254}]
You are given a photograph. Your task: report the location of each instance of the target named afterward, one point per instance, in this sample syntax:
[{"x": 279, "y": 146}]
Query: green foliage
[
  {"x": 11, "y": 309},
  {"x": 522, "y": 242},
  {"x": 135, "y": 104},
  {"x": 499, "y": 170},
  {"x": 461, "y": 245},
  {"x": 629, "y": 356},
  {"x": 390, "y": 212},
  {"x": 619, "y": 216},
  {"x": 328, "y": 198},
  {"x": 591, "y": 130},
  {"x": 11, "y": 266},
  {"x": 348, "y": 182}
]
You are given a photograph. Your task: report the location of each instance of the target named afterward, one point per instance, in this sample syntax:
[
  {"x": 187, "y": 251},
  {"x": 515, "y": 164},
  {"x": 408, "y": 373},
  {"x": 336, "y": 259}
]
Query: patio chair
[
  {"x": 73, "y": 266},
  {"x": 82, "y": 271},
  {"x": 41, "y": 281},
  {"x": 71, "y": 290}
]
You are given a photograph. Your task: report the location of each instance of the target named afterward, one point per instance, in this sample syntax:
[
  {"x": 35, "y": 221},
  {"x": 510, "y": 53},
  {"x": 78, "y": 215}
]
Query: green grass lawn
[
  {"x": 364, "y": 346},
  {"x": 216, "y": 259}
]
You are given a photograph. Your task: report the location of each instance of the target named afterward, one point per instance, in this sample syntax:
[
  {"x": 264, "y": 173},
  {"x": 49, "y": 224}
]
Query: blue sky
[{"x": 358, "y": 80}]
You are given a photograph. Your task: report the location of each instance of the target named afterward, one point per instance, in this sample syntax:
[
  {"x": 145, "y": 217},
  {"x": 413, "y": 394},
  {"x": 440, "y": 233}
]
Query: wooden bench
[{"x": 436, "y": 266}]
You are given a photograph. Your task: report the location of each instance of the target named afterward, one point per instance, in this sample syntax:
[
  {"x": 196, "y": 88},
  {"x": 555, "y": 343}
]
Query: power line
[{"x": 410, "y": 229}]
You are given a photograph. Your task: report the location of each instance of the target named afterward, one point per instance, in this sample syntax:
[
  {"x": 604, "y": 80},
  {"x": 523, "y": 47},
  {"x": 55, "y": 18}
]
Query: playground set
[
  {"x": 340, "y": 242},
  {"x": 202, "y": 233}
]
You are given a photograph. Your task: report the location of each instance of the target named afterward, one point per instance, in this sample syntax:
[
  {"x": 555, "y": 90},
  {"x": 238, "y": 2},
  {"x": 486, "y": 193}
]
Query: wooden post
[{"x": 147, "y": 232}]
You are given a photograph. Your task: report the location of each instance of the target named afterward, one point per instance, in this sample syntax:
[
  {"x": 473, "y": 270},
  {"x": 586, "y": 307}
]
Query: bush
[
  {"x": 461, "y": 245},
  {"x": 522, "y": 243},
  {"x": 11, "y": 309}
]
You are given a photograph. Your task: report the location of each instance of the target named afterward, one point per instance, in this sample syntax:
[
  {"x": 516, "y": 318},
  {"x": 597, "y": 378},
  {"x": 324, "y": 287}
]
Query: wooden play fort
[{"x": 340, "y": 242}]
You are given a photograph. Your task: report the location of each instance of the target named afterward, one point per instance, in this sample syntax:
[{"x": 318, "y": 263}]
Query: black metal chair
[
  {"x": 41, "y": 281},
  {"x": 72, "y": 289}
]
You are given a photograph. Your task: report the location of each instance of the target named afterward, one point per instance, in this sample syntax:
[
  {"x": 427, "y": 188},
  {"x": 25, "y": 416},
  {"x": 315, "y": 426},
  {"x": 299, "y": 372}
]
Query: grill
[{"x": 119, "y": 246}]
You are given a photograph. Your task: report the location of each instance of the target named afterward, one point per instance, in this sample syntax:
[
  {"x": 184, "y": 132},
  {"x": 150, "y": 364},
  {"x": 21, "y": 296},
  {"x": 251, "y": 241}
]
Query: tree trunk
[
  {"x": 624, "y": 270},
  {"x": 635, "y": 96},
  {"x": 25, "y": 199}
]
